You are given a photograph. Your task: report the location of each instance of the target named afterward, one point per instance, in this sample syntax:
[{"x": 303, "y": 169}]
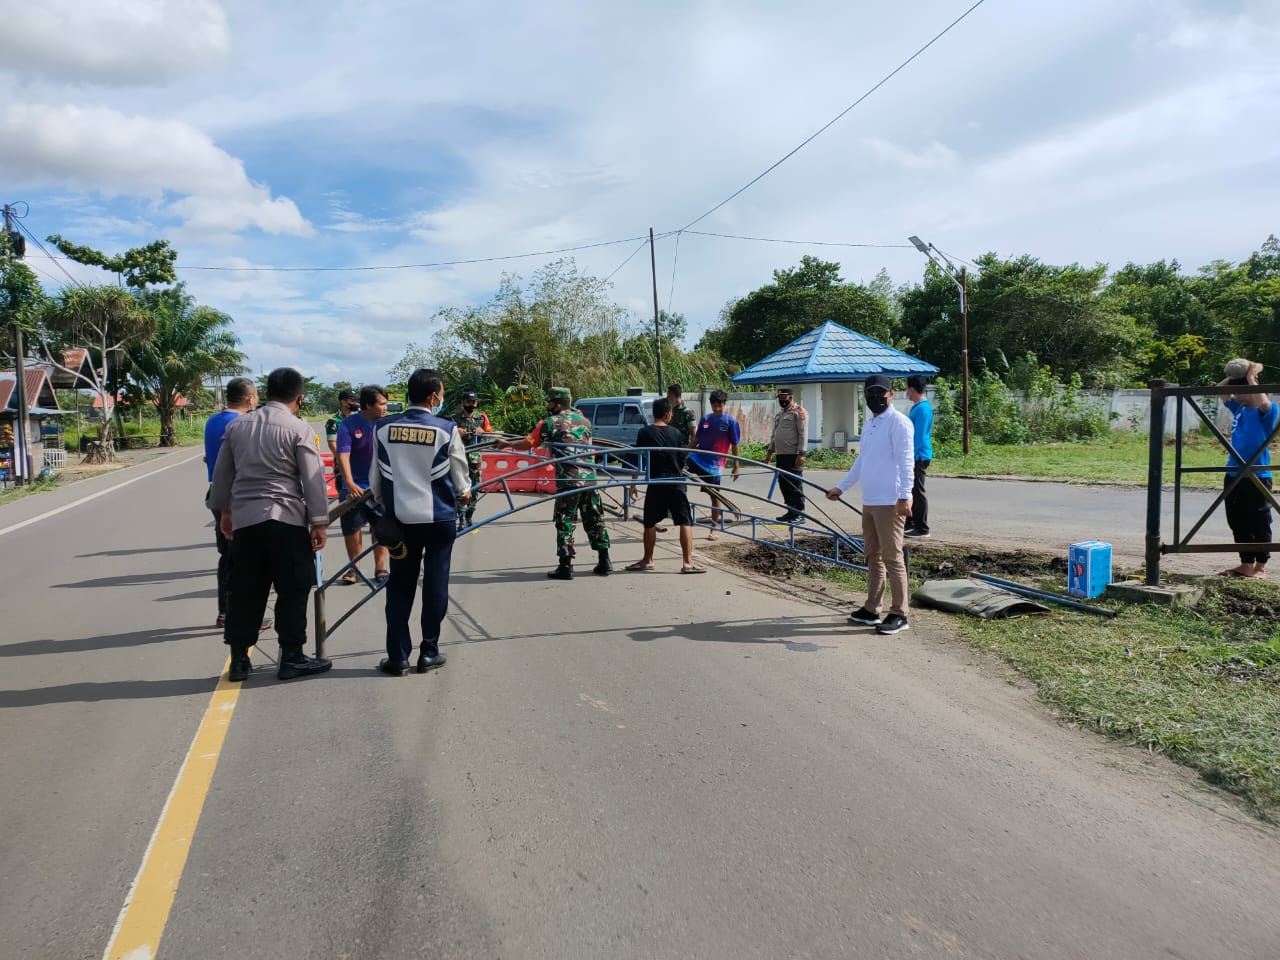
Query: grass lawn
[
  {"x": 1201, "y": 686},
  {"x": 1118, "y": 458}
]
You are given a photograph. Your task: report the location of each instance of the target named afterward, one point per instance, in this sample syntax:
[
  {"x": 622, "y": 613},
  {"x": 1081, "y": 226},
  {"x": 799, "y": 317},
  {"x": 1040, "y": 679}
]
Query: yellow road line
[{"x": 146, "y": 909}]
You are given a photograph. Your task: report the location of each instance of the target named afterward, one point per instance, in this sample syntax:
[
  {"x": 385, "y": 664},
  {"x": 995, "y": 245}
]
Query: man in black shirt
[{"x": 665, "y": 495}]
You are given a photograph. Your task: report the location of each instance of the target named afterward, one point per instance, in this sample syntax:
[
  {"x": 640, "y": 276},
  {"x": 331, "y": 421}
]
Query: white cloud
[
  {"x": 113, "y": 42},
  {"x": 104, "y": 151}
]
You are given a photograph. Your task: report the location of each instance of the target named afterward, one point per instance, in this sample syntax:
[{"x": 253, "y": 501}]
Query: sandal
[
  {"x": 640, "y": 565},
  {"x": 694, "y": 569},
  {"x": 350, "y": 577},
  {"x": 380, "y": 575}
]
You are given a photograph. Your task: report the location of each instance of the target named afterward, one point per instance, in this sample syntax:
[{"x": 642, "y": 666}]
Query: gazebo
[{"x": 824, "y": 368}]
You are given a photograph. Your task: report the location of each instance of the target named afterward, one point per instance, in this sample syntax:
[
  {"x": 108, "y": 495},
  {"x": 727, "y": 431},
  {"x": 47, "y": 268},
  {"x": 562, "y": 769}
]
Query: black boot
[
  {"x": 562, "y": 572},
  {"x": 241, "y": 666},
  {"x": 605, "y": 566},
  {"x": 294, "y": 663}
]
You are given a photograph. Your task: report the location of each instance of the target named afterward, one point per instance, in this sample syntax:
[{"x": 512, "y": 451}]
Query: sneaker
[
  {"x": 790, "y": 518},
  {"x": 917, "y": 534},
  {"x": 893, "y": 623},
  {"x": 864, "y": 617}
]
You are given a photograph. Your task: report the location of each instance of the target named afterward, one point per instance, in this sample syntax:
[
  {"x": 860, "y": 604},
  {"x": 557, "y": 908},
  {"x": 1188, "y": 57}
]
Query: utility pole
[
  {"x": 657, "y": 325},
  {"x": 960, "y": 278},
  {"x": 21, "y": 449}
]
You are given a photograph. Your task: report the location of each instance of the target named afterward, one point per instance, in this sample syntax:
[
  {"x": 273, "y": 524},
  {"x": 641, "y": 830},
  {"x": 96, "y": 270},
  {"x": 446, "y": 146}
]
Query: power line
[
  {"x": 643, "y": 243},
  {"x": 807, "y": 243},
  {"x": 34, "y": 239},
  {"x": 675, "y": 258},
  {"x": 821, "y": 130}
]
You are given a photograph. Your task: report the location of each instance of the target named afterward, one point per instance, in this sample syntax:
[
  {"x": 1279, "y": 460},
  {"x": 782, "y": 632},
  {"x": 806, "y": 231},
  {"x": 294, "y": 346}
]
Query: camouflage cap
[{"x": 559, "y": 395}]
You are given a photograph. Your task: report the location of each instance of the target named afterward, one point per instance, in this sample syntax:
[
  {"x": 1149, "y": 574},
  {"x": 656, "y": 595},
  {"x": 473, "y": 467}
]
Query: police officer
[
  {"x": 419, "y": 478},
  {"x": 564, "y": 431},
  {"x": 268, "y": 485},
  {"x": 472, "y": 422}
]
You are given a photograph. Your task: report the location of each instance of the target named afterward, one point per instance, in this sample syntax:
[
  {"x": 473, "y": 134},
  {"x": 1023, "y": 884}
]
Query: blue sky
[{"x": 357, "y": 134}]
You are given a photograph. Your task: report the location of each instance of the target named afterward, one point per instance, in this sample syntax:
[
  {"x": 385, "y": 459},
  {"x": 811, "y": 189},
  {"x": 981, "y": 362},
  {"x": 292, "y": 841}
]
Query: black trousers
[
  {"x": 1249, "y": 516},
  {"x": 789, "y": 482},
  {"x": 224, "y": 562},
  {"x": 429, "y": 549},
  {"x": 262, "y": 556},
  {"x": 919, "y": 518}
]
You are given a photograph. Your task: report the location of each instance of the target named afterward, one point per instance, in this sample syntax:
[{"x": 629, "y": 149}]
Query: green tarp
[{"x": 975, "y": 599}]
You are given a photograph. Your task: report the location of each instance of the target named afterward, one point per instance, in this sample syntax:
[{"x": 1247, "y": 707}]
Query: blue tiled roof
[{"x": 832, "y": 352}]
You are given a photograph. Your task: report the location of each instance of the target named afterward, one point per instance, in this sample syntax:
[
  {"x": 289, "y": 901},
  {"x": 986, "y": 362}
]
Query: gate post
[{"x": 1155, "y": 477}]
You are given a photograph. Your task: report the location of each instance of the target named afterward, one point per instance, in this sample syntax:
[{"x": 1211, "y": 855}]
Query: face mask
[
  {"x": 435, "y": 411},
  {"x": 784, "y": 402},
  {"x": 877, "y": 403},
  {"x": 469, "y": 407}
]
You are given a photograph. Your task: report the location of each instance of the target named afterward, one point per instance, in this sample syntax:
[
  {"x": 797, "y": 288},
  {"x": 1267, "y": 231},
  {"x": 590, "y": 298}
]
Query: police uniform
[
  {"x": 471, "y": 425},
  {"x": 419, "y": 471},
  {"x": 564, "y": 434}
]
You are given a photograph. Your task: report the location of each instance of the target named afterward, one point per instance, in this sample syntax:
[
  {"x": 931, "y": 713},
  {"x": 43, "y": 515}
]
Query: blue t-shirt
[
  {"x": 355, "y": 436},
  {"x": 214, "y": 428},
  {"x": 922, "y": 419},
  {"x": 715, "y": 435},
  {"x": 1250, "y": 428}
]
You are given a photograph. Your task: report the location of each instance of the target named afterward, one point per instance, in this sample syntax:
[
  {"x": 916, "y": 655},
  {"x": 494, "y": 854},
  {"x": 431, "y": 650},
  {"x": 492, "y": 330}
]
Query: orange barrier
[
  {"x": 495, "y": 463},
  {"x": 330, "y": 478}
]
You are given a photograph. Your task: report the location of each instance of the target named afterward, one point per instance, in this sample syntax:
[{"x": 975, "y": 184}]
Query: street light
[{"x": 960, "y": 278}]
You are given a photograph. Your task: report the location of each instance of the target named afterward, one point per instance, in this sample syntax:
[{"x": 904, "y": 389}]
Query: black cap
[
  {"x": 470, "y": 395},
  {"x": 346, "y": 395},
  {"x": 878, "y": 380}
]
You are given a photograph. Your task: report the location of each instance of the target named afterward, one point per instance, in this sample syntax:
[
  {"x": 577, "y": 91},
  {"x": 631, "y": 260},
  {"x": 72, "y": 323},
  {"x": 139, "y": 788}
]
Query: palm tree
[
  {"x": 188, "y": 344},
  {"x": 105, "y": 320}
]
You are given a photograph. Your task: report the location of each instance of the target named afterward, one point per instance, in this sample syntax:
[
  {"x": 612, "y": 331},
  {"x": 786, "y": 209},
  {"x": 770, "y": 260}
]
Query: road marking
[
  {"x": 94, "y": 496},
  {"x": 146, "y": 908}
]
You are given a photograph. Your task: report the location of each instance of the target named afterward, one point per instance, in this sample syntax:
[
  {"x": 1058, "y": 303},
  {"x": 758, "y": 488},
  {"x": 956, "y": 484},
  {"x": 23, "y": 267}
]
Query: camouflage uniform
[
  {"x": 470, "y": 426},
  {"x": 683, "y": 420},
  {"x": 562, "y": 433}
]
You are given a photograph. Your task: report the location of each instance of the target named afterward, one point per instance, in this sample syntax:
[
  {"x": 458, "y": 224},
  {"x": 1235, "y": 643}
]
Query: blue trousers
[{"x": 429, "y": 551}]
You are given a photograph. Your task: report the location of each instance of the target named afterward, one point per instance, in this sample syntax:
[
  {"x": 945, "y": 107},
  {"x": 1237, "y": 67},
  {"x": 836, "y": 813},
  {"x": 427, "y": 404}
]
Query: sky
[{"x": 339, "y": 134}]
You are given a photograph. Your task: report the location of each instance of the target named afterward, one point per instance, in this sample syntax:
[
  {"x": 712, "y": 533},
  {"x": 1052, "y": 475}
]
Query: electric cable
[
  {"x": 34, "y": 239},
  {"x": 826, "y": 126},
  {"x": 675, "y": 258},
  {"x": 807, "y": 243}
]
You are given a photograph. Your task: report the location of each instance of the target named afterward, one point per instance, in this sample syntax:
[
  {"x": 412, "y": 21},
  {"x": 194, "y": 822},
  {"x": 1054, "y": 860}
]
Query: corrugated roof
[
  {"x": 833, "y": 353},
  {"x": 39, "y": 391}
]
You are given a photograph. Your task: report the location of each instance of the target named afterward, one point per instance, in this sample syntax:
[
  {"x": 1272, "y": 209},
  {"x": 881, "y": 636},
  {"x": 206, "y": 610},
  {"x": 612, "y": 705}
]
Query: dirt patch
[{"x": 926, "y": 562}]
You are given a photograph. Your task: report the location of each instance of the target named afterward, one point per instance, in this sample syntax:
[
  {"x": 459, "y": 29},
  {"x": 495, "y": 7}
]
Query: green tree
[
  {"x": 798, "y": 300},
  {"x": 187, "y": 344},
  {"x": 21, "y": 297},
  {"x": 106, "y": 320},
  {"x": 137, "y": 267}
]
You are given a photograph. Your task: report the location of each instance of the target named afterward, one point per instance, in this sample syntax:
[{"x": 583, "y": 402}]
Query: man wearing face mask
[
  {"x": 472, "y": 422},
  {"x": 885, "y": 467},
  {"x": 564, "y": 431},
  {"x": 788, "y": 443}
]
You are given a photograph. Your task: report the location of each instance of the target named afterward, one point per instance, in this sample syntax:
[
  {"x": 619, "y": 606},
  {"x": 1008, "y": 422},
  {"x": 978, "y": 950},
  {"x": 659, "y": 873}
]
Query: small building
[
  {"x": 42, "y": 404},
  {"x": 824, "y": 368}
]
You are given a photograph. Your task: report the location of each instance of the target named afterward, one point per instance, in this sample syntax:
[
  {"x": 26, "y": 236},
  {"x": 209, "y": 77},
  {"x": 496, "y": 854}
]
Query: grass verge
[{"x": 1201, "y": 686}]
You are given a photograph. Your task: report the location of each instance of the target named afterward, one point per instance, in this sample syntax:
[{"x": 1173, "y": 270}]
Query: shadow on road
[
  {"x": 107, "y": 641},
  {"x": 136, "y": 579},
  {"x": 753, "y": 631},
  {"x": 108, "y": 690},
  {"x": 130, "y": 553}
]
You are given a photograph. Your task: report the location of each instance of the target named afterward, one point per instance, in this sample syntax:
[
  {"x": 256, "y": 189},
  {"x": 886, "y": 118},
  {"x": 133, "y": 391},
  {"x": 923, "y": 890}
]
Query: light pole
[{"x": 960, "y": 278}]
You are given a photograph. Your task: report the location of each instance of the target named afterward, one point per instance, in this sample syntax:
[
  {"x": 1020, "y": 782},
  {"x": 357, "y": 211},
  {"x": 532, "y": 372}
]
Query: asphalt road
[{"x": 643, "y": 766}]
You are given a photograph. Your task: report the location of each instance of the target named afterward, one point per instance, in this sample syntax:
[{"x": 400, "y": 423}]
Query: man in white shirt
[{"x": 886, "y": 469}]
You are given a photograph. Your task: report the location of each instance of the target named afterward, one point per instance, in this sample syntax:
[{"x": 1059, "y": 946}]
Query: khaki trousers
[{"x": 882, "y": 531}]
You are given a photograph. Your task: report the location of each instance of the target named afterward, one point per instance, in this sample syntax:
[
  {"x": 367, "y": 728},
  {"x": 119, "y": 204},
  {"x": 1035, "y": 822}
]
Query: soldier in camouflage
[
  {"x": 682, "y": 417},
  {"x": 471, "y": 423},
  {"x": 563, "y": 432}
]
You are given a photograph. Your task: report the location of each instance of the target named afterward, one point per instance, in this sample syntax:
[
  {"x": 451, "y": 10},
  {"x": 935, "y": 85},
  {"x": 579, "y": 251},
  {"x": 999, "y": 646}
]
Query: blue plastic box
[{"x": 1088, "y": 568}]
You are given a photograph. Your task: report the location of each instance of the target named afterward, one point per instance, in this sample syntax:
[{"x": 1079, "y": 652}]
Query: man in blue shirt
[
  {"x": 1248, "y": 505},
  {"x": 242, "y": 396},
  {"x": 352, "y": 461},
  {"x": 922, "y": 419}
]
